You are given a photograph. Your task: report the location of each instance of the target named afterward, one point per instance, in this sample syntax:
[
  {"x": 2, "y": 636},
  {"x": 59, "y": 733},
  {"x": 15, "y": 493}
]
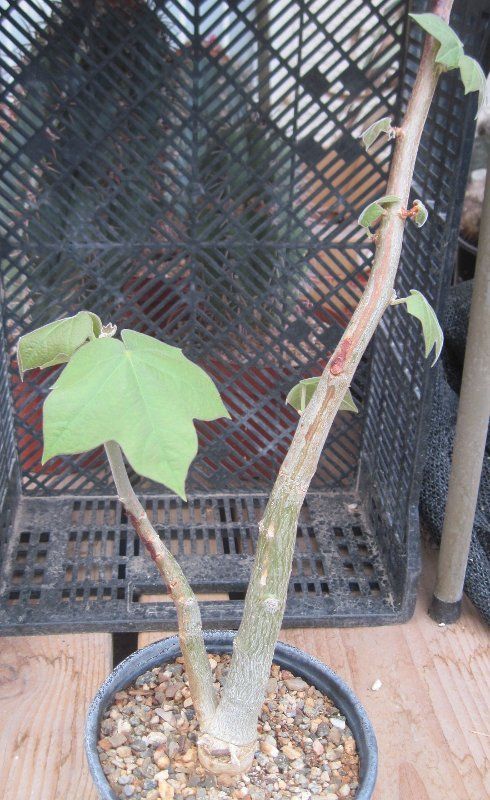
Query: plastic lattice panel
[
  {"x": 88, "y": 570},
  {"x": 8, "y": 460},
  {"x": 192, "y": 170},
  {"x": 400, "y": 379}
]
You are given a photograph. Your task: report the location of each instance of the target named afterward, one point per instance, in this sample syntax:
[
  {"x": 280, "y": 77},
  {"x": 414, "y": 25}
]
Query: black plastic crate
[{"x": 193, "y": 170}]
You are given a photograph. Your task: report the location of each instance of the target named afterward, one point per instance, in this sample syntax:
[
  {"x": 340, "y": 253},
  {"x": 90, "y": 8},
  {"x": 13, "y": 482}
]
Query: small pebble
[
  {"x": 269, "y": 749},
  {"x": 335, "y": 736},
  {"x": 118, "y": 739},
  {"x": 105, "y": 744},
  {"x": 291, "y": 752},
  {"x": 376, "y": 685},
  {"x": 166, "y": 790},
  {"x": 296, "y": 685},
  {"x": 156, "y": 737}
]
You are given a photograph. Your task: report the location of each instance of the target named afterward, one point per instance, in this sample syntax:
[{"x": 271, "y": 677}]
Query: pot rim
[{"x": 286, "y": 655}]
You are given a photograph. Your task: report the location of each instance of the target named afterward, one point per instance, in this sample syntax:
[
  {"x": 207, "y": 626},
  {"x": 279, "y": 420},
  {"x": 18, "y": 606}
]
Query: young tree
[{"x": 139, "y": 397}]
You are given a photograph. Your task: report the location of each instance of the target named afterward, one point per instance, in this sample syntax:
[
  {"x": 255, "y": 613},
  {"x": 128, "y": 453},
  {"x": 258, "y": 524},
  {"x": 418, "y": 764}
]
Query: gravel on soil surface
[{"x": 148, "y": 737}]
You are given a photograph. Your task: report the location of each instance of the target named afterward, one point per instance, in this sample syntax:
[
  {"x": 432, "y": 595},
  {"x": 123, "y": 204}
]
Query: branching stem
[
  {"x": 189, "y": 617},
  {"x": 235, "y": 720}
]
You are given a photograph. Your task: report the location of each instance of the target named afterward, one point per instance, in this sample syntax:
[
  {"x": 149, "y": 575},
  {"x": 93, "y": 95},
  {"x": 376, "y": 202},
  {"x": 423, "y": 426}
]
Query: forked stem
[{"x": 191, "y": 639}]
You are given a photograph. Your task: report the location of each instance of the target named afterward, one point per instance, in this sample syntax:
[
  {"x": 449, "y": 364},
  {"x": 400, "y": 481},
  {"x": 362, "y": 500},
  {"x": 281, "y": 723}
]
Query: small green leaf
[
  {"x": 138, "y": 392},
  {"x": 420, "y": 217},
  {"x": 301, "y": 394},
  {"x": 473, "y": 78},
  {"x": 451, "y": 46},
  {"x": 376, "y": 209},
  {"x": 97, "y": 323},
  {"x": 56, "y": 342},
  {"x": 348, "y": 404},
  {"x": 370, "y": 135},
  {"x": 418, "y": 306}
]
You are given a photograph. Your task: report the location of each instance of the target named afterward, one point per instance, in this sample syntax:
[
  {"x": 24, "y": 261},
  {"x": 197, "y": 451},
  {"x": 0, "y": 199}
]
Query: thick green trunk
[
  {"x": 264, "y": 608},
  {"x": 235, "y": 720}
]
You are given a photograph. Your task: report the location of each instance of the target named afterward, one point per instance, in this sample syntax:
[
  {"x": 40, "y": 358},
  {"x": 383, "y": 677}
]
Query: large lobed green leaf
[
  {"x": 419, "y": 307},
  {"x": 301, "y": 394},
  {"x": 56, "y": 342},
  {"x": 139, "y": 392},
  {"x": 451, "y": 46}
]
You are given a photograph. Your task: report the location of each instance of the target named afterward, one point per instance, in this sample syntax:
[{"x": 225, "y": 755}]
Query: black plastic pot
[{"x": 286, "y": 656}]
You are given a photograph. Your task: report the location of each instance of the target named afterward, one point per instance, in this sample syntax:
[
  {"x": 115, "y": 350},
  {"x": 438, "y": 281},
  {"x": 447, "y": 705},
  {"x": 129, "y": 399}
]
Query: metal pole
[{"x": 470, "y": 438}]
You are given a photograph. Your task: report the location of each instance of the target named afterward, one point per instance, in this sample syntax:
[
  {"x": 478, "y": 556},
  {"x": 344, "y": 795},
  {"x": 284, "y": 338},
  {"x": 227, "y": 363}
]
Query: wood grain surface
[
  {"x": 432, "y": 712},
  {"x": 46, "y": 685}
]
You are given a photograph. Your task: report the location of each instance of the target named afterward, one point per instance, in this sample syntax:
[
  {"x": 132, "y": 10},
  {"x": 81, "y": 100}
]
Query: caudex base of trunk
[{"x": 221, "y": 758}]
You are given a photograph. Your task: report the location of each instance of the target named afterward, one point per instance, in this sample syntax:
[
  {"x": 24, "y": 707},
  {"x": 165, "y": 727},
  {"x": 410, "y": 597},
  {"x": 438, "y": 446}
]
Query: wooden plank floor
[
  {"x": 46, "y": 685},
  {"x": 431, "y": 714}
]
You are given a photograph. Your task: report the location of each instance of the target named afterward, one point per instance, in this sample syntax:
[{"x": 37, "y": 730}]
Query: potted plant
[{"x": 139, "y": 398}]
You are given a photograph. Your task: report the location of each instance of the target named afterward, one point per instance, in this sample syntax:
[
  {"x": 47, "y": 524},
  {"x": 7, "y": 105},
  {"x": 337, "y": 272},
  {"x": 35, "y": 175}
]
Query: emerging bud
[{"x": 108, "y": 331}]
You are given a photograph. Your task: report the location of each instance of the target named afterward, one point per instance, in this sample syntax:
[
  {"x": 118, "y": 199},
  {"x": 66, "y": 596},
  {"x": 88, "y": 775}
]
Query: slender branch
[
  {"x": 188, "y": 615},
  {"x": 235, "y": 719}
]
